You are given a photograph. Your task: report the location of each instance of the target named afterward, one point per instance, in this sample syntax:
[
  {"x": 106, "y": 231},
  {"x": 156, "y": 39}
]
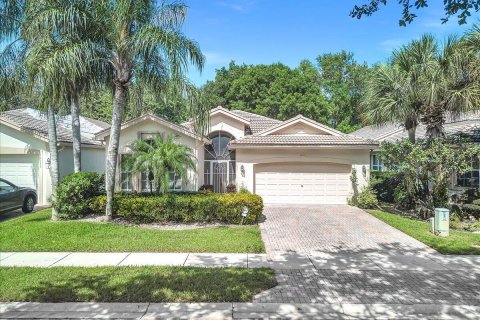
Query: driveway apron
[{"x": 341, "y": 254}]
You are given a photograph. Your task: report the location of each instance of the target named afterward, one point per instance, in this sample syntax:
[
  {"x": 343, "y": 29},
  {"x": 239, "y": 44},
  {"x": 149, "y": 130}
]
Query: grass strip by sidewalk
[
  {"x": 458, "y": 242},
  {"x": 133, "y": 284},
  {"x": 36, "y": 232}
]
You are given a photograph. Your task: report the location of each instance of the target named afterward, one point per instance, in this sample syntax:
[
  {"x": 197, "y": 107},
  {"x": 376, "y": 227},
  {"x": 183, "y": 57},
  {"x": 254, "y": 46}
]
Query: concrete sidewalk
[
  {"x": 95, "y": 259},
  {"x": 91, "y": 310},
  {"x": 415, "y": 261}
]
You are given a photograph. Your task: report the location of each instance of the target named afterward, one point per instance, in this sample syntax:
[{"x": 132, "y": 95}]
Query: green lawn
[
  {"x": 35, "y": 232},
  {"x": 133, "y": 284},
  {"x": 458, "y": 242}
]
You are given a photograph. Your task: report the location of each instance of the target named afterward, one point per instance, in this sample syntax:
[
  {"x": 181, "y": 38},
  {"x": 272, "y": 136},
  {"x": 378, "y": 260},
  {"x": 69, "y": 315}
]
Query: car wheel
[{"x": 28, "y": 204}]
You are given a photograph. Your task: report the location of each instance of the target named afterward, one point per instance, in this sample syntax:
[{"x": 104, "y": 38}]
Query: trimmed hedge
[{"x": 184, "y": 207}]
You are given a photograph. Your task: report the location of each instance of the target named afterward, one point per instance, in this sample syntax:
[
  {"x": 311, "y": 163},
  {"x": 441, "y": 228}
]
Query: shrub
[
  {"x": 384, "y": 184},
  {"x": 243, "y": 189},
  {"x": 472, "y": 209},
  {"x": 367, "y": 199},
  {"x": 231, "y": 188},
  {"x": 75, "y": 193},
  {"x": 186, "y": 208},
  {"x": 206, "y": 188},
  {"x": 402, "y": 198}
]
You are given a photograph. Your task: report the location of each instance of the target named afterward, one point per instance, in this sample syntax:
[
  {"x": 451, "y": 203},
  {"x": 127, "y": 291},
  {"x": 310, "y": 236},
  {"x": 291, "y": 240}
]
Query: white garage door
[
  {"x": 21, "y": 170},
  {"x": 300, "y": 183}
]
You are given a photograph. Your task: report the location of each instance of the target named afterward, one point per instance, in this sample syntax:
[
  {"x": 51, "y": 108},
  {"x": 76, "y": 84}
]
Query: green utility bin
[{"x": 442, "y": 221}]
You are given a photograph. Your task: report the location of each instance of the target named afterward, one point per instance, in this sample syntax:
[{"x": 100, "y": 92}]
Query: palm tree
[
  {"x": 390, "y": 97},
  {"x": 423, "y": 83},
  {"x": 394, "y": 92},
  {"x": 139, "y": 41},
  {"x": 158, "y": 158},
  {"x": 16, "y": 78},
  {"x": 451, "y": 84},
  {"x": 61, "y": 39}
]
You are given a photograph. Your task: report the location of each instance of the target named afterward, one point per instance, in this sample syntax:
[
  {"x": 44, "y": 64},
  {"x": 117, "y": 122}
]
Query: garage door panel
[
  {"x": 303, "y": 183},
  {"x": 21, "y": 170}
]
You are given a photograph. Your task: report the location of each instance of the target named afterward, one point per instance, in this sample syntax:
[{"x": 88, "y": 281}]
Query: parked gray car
[{"x": 13, "y": 197}]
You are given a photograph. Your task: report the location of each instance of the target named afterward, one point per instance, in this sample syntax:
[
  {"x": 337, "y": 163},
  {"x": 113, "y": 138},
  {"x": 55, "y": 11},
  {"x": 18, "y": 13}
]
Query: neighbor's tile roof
[
  {"x": 392, "y": 132},
  {"x": 304, "y": 140},
  {"x": 35, "y": 121}
]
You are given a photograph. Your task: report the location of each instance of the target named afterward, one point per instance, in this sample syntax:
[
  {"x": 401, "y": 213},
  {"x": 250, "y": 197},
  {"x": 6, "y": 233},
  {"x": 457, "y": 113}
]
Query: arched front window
[{"x": 219, "y": 167}]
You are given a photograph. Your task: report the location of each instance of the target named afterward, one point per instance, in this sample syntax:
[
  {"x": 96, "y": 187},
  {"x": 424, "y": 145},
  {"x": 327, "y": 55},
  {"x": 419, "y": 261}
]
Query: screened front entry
[{"x": 219, "y": 167}]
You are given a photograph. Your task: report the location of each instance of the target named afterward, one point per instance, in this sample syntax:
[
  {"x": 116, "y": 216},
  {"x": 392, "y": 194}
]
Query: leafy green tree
[
  {"x": 169, "y": 104},
  {"x": 427, "y": 168},
  {"x": 342, "y": 80},
  {"x": 462, "y": 8},
  {"x": 158, "y": 158},
  {"x": 276, "y": 90}
]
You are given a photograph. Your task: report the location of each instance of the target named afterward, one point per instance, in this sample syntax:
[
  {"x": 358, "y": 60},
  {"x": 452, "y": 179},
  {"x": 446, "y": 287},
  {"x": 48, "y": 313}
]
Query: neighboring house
[
  {"x": 295, "y": 161},
  {"x": 24, "y": 150},
  {"x": 466, "y": 125}
]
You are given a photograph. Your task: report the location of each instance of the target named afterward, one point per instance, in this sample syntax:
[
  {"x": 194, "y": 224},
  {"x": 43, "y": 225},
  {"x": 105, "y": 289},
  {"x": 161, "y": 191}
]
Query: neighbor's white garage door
[
  {"x": 299, "y": 183},
  {"x": 20, "y": 169}
]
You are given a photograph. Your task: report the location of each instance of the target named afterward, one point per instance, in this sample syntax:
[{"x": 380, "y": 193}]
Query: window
[
  {"x": 6, "y": 187},
  {"x": 145, "y": 183},
  {"x": 376, "y": 164},
  {"x": 219, "y": 165},
  {"x": 125, "y": 175},
  {"x": 174, "y": 183},
  {"x": 470, "y": 179}
]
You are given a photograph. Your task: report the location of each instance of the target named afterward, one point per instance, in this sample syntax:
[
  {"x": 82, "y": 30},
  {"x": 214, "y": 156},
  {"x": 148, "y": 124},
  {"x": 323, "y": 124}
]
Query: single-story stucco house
[
  {"x": 24, "y": 150},
  {"x": 466, "y": 125},
  {"x": 294, "y": 161}
]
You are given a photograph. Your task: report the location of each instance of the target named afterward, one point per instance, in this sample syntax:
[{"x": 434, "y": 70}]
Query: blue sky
[{"x": 288, "y": 31}]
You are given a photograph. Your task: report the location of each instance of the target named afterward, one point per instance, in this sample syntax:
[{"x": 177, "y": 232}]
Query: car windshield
[{"x": 6, "y": 187}]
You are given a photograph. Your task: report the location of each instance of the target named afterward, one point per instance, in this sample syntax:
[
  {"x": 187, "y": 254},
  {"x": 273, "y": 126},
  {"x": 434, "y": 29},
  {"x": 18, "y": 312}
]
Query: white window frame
[
  {"x": 474, "y": 172},
  {"x": 144, "y": 182},
  {"x": 375, "y": 163},
  {"x": 129, "y": 176}
]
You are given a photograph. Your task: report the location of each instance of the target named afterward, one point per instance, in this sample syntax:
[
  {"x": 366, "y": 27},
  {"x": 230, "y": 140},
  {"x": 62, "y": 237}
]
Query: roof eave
[
  {"x": 304, "y": 146},
  {"x": 105, "y": 133}
]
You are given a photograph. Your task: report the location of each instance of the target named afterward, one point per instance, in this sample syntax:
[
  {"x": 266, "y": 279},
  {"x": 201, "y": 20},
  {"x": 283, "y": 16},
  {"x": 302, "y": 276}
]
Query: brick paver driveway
[
  {"x": 330, "y": 228},
  {"x": 340, "y": 254}
]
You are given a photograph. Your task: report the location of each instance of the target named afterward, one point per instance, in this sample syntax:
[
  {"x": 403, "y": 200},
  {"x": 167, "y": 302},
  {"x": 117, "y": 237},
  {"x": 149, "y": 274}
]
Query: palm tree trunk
[
  {"x": 52, "y": 143},
  {"x": 411, "y": 126},
  {"x": 76, "y": 137},
  {"x": 119, "y": 102},
  {"x": 434, "y": 119},
  {"x": 411, "y": 134}
]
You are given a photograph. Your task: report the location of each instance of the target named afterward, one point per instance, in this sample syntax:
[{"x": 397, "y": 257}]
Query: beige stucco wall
[
  {"x": 223, "y": 123},
  {"x": 93, "y": 159},
  {"x": 133, "y": 132},
  {"x": 17, "y": 147},
  {"x": 249, "y": 158}
]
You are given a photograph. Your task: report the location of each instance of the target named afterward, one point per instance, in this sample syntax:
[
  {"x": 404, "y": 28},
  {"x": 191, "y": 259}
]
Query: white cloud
[
  {"x": 437, "y": 24},
  {"x": 216, "y": 58},
  {"x": 238, "y": 5},
  {"x": 391, "y": 44}
]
